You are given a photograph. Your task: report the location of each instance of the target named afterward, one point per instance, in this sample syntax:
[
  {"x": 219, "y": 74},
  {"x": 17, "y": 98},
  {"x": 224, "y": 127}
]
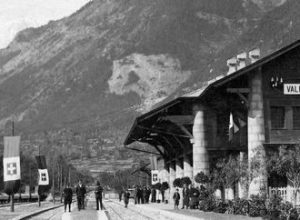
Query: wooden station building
[{"x": 262, "y": 96}]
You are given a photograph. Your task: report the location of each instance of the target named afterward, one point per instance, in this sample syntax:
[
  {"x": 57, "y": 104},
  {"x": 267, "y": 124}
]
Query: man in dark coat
[
  {"x": 194, "y": 197},
  {"x": 80, "y": 192},
  {"x": 98, "y": 195},
  {"x": 139, "y": 195},
  {"x": 148, "y": 193},
  {"x": 68, "y": 193},
  {"x": 126, "y": 198},
  {"x": 153, "y": 195},
  {"x": 185, "y": 196}
]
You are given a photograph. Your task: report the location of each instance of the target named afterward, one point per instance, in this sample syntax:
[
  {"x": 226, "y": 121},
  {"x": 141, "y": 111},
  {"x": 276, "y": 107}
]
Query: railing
[{"x": 286, "y": 193}]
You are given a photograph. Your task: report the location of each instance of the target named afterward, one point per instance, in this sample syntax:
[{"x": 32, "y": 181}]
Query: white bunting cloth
[{"x": 43, "y": 177}]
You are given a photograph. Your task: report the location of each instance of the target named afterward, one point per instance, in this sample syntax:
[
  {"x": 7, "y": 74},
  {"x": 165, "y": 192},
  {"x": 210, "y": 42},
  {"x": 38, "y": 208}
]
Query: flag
[
  {"x": 43, "y": 177},
  {"x": 154, "y": 177},
  {"x": 241, "y": 123},
  {"x": 233, "y": 128},
  {"x": 43, "y": 181},
  {"x": 11, "y": 164},
  {"x": 153, "y": 162}
]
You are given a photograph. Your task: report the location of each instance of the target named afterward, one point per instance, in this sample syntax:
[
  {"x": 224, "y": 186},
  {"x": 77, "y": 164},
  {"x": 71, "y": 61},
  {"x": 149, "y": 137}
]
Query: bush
[
  {"x": 273, "y": 206},
  {"x": 186, "y": 180},
  {"x": 157, "y": 186},
  {"x": 285, "y": 208},
  {"x": 257, "y": 206},
  {"x": 208, "y": 204},
  {"x": 201, "y": 178},
  {"x": 220, "y": 206},
  {"x": 177, "y": 182},
  {"x": 240, "y": 206},
  {"x": 164, "y": 186}
]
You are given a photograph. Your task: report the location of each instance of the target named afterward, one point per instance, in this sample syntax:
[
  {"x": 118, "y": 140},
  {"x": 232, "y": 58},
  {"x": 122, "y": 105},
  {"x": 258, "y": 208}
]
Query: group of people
[
  {"x": 80, "y": 194},
  {"x": 190, "y": 197},
  {"x": 141, "y": 195}
]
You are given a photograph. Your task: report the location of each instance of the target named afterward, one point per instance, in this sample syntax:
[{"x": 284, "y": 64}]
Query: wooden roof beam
[{"x": 180, "y": 119}]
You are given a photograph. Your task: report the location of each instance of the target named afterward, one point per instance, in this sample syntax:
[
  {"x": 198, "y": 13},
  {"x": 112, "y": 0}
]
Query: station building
[{"x": 259, "y": 97}]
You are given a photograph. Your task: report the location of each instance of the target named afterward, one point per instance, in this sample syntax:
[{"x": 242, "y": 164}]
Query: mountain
[{"x": 77, "y": 84}]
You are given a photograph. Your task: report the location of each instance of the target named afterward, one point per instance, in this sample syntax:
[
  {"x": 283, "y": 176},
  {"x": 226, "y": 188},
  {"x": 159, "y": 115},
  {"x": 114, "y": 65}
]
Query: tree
[
  {"x": 177, "y": 182},
  {"x": 202, "y": 178},
  {"x": 186, "y": 180},
  {"x": 229, "y": 171},
  {"x": 286, "y": 162}
]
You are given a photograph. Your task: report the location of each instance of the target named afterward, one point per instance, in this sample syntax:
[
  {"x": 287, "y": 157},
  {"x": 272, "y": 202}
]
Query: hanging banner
[
  {"x": 11, "y": 164},
  {"x": 233, "y": 128},
  {"x": 154, "y": 177},
  {"x": 43, "y": 181},
  {"x": 43, "y": 177}
]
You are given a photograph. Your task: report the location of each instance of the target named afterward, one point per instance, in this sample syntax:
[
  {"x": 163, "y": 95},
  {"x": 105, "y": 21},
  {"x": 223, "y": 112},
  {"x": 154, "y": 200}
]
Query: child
[
  {"x": 176, "y": 198},
  {"x": 126, "y": 198}
]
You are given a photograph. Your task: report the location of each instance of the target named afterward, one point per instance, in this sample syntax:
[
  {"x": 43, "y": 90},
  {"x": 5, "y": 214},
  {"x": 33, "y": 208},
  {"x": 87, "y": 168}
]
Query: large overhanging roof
[{"x": 139, "y": 131}]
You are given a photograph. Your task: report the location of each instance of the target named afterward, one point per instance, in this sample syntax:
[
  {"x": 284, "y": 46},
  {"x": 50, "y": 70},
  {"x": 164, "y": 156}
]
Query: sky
[{"x": 16, "y": 15}]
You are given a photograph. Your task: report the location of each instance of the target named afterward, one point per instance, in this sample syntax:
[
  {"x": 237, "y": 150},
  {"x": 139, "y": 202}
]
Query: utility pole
[
  {"x": 53, "y": 186},
  {"x": 39, "y": 198},
  {"x": 30, "y": 182},
  {"x": 12, "y": 207}
]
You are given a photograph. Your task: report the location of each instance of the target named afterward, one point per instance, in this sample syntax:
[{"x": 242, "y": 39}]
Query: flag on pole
[
  {"x": 154, "y": 177},
  {"x": 11, "y": 164},
  {"x": 233, "y": 128},
  {"x": 43, "y": 172},
  {"x": 43, "y": 180}
]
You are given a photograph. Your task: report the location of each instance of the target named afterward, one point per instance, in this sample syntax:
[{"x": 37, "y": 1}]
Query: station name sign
[{"x": 291, "y": 89}]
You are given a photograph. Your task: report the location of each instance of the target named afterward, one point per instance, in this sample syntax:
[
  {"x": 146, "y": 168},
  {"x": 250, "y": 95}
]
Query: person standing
[
  {"x": 80, "y": 192},
  {"x": 135, "y": 195},
  {"x": 148, "y": 193},
  {"x": 68, "y": 193},
  {"x": 139, "y": 194},
  {"x": 120, "y": 195},
  {"x": 98, "y": 195},
  {"x": 176, "y": 198},
  {"x": 153, "y": 195},
  {"x": 126, "y": 198},
  {"x": 185, "y": 196},
  {"x": 144, "y": 195}
]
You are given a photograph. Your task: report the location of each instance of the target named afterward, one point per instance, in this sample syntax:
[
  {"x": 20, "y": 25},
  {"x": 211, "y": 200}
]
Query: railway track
[{"x": 117, "y": 211}]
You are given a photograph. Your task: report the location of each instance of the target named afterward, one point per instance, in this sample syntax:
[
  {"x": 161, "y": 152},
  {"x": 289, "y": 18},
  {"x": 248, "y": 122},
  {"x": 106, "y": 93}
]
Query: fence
[{"x": 286, "y": 193}]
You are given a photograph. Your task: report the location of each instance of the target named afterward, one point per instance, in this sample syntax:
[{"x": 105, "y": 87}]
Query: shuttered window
[
  {"x": 277, "y": 117},
  {"x": 296, "y": 117}
]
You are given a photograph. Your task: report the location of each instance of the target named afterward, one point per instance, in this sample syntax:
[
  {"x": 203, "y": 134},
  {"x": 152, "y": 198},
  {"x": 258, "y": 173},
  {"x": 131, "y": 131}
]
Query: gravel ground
[{"x": 22, "y": 209}]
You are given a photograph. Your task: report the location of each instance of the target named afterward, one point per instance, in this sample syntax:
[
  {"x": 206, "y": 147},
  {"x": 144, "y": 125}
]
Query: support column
[
  {"x": 179, "y": 168},
  {"x": 172, "y": 176},
  {"x": 165, "y": 173},
  {"x": 166, "y": 179},
  {"x": 200, "y": 153},
  {"x": 187, "y": 166},
  {"x": 242, "y": 184},
  {"x": 179, "y": 174},
  {"x": 256, "y": 136}
]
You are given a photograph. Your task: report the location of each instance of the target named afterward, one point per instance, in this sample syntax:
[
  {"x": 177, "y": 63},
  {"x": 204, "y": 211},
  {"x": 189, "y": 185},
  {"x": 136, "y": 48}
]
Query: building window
[
  {"x": 277, "y": 117},
  {"x": 296, "y": 117}
]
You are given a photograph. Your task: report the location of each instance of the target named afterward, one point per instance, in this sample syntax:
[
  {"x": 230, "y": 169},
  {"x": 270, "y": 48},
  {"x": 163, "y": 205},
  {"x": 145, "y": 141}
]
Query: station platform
[{"x": 161, "y": 211}]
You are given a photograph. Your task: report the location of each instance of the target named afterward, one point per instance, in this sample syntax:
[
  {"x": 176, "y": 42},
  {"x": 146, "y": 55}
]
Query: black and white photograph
[{"x": 150, "y": 109}]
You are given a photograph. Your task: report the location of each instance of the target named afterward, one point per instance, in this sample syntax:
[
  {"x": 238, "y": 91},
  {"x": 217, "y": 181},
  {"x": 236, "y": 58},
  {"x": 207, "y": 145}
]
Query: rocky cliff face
[{"x": 90, "y": 74}]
